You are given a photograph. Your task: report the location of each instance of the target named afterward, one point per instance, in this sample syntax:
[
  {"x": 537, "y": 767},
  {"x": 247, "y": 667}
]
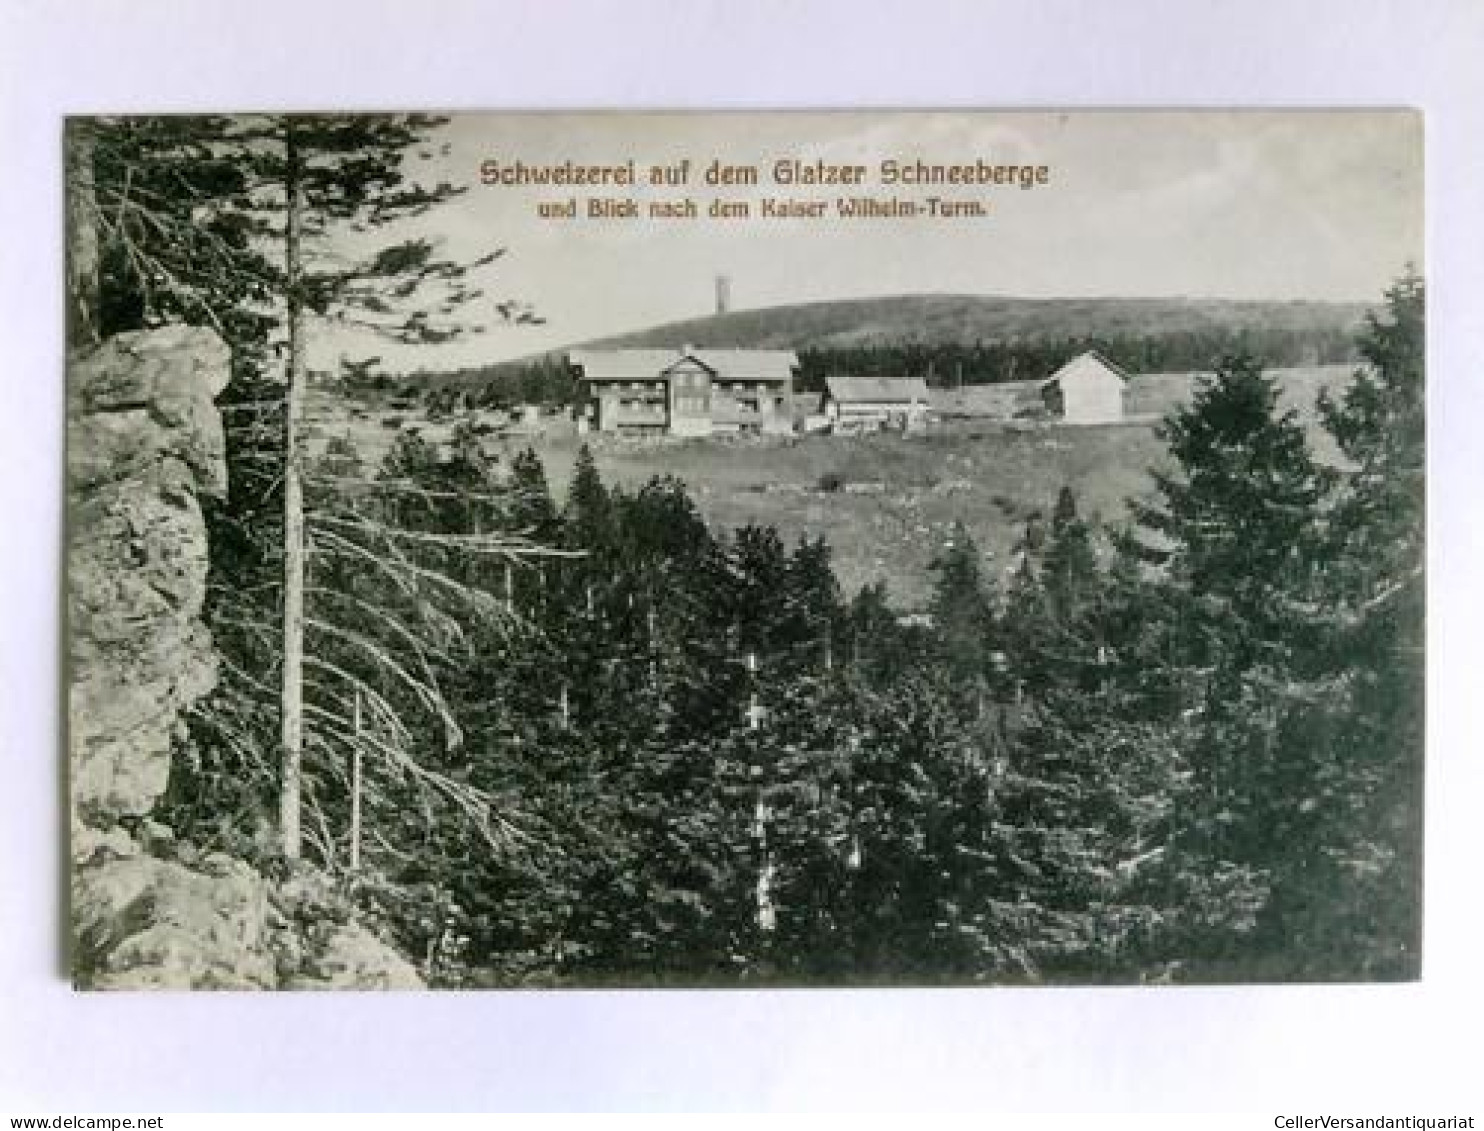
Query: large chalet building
[{"x": 687, "y": 392}]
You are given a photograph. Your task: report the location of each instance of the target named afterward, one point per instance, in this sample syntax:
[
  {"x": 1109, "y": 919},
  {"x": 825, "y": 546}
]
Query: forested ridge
[{"x": 592, "y": 741}]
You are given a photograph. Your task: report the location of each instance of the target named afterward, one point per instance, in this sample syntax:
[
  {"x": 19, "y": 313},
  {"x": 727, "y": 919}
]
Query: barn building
[
  {"x": 687, "y": 392},
  {"x": 1086, "y": 390},
  {"x": 862, "y": 403}
]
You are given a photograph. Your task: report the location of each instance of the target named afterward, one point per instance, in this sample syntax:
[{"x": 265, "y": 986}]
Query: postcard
[{"x": 696, "y": 549}]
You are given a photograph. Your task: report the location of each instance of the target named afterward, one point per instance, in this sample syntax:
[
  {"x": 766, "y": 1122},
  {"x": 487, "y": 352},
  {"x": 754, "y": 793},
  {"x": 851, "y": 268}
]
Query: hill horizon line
[{"x": 961, "y": 319}]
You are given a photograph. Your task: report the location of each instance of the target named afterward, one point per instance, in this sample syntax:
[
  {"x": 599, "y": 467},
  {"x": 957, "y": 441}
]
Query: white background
[{"x": 1398, "y": 1050}]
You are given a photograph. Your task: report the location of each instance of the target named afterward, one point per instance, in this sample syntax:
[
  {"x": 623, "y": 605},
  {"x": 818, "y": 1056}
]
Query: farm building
[
  {"x": 687, "y": 392},
  {"x": 876, "y": 402},
  {"x": 1086, "y": 390}
]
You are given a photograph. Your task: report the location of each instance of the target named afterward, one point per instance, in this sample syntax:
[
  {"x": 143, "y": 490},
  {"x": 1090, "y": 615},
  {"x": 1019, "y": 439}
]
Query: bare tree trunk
[
  {"x": 355, "y": 791},
  {"x": 82, "y": 238},
  {"x": 292, "y": 699}
]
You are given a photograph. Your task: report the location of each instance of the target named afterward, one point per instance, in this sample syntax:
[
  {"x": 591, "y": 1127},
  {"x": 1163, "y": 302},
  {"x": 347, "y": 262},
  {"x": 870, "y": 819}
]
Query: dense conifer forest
[{"x": 1187, "y": 749}]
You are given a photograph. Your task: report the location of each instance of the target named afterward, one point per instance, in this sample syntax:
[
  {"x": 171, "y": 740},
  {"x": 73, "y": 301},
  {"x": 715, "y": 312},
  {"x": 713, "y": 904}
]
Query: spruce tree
[
  {"x": 812, "y": 609},
  {"x": 878, "y": 649},
  {"x": 1069, "y": 566},
  {"x": 1047, "y": 628},
  {"x": 532, "y": 509},
  {"x": 1230, "y": 644},
  {"x": 1357, "y": 912},
  {"x": 962, "y": 609},
  {"x": 1234, "y": 526},
  {"x": 588, "y": 512}
]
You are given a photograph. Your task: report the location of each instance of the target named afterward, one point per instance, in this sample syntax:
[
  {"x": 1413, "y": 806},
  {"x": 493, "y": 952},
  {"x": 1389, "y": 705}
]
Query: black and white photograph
[{"x": 744, "y": 550}]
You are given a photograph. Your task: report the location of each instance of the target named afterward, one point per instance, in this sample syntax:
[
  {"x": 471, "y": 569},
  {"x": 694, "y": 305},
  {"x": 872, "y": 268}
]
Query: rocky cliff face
[
  {"x": 144, "y": 443},
  {"x": 143, "y": 439}
]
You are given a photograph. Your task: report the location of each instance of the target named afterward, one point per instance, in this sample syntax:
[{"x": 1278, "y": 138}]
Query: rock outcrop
[
  {"x": 143, "y": 439},
  {"x": 145, "y": 442}
]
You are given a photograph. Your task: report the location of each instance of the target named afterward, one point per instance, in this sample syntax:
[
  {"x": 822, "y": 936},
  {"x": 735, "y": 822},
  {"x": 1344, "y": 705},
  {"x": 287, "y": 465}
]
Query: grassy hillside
[
  {"x": 897, "y": 497},
  {"x": 965, "y": 319},
  {"x": 921, "y": 331}
]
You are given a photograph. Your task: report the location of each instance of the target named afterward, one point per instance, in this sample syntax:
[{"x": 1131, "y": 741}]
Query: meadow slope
[{"x": 887, "y": 503}]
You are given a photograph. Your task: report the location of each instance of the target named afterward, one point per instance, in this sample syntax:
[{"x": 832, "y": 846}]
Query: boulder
[
  {"x": 147, "y": 923},
  {"x": 352, "y": 958}
]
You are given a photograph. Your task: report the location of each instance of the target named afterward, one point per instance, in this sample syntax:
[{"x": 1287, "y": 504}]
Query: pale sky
[{"x": 1259, "y": 205}]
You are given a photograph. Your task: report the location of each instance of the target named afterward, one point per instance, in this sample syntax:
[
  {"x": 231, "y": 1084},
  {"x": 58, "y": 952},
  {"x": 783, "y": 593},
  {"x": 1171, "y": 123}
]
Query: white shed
[{"x": 1086, "y": 390}]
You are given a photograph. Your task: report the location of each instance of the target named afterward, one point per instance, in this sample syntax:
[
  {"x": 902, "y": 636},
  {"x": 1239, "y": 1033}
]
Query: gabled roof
[
  {"x": 1077, "y": 368},
  {"x": 648, "y": 364},
  {"x": 877, "y": 390}
]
